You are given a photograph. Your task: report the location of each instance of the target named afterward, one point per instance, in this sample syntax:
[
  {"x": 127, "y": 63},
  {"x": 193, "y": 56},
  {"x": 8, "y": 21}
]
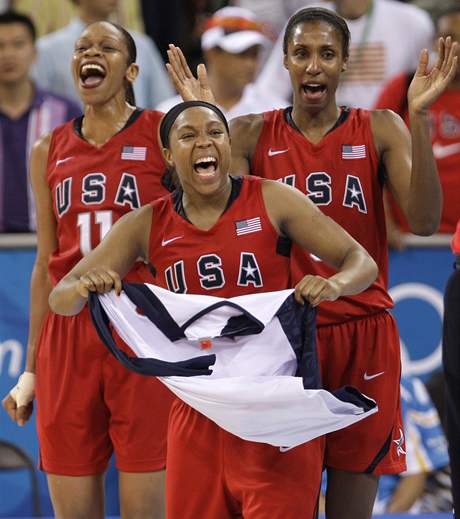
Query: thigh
[
  {"x": 365, "y": 354},
  {"x": 77, "y": 497},
  {"x": 142, "y": 495},
  {"x": 139, "y": 410},
  {"x": 72, "y": 418},
  {"x": 194, "y": 485},
  {"x": 350, "y": 495},
  {"x": 271, "y": 484}
]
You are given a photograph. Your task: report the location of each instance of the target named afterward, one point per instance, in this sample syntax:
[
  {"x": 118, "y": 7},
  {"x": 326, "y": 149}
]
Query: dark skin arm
[{"x": 408, "y": 157}]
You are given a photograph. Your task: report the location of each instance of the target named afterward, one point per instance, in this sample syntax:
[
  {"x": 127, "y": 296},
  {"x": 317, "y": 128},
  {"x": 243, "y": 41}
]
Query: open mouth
[
  {"x": 314, "y": 90},
  {"x": 205, "y": 166},
  {"x": 92, "y": 75}
]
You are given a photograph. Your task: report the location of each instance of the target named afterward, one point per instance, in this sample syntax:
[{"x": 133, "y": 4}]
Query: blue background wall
[{"x": 417, "y": 280}]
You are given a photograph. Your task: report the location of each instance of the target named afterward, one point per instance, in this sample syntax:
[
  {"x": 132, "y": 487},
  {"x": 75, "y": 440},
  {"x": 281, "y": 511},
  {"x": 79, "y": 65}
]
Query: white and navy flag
[
  {"x": 248, "y": 363},
  {"x": 133, "y": 153},
  {"x": 353, "y": 152},
  {"x": 248, "y": 226}
]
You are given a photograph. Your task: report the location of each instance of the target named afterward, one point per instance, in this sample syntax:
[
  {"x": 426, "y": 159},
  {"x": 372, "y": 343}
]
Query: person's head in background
[
  {"x": 95, "y": 10},
  {"x": 231, "y": 45},
  {"x": 17, "y": 49},
  {"x": 448, "y": 24}
]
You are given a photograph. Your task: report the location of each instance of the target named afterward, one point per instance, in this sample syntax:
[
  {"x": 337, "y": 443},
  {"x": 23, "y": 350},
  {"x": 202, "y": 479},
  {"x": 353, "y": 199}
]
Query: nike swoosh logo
[
  {"x": 285, "y": 449},
  {"x": 61, "y": 161},
  {"x": 272, "y": 153},
  {"x": 440, "y": 151},
  {"x": 165, "y": 242},
  {"x": 375, "y": 375}
]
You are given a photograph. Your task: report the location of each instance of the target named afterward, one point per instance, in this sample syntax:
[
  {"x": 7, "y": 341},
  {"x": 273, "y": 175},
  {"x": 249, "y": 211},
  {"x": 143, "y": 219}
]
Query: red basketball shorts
[
  {"x": 213, "y": 474},
  {"x": 89, "y": 405},
  {"x": 365, "y": 353}
]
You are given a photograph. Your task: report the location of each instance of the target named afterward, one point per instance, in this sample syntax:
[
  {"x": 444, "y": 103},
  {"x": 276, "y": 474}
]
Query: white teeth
[
  {"x": 92, "y": 66},
  {"x": 205, "y": 160}
]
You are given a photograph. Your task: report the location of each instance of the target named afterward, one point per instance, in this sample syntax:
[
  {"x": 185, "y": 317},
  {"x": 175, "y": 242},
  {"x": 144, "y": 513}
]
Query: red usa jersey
[
  {"x": 340, "y": 175},
  {"x": 241, "y": 253},
  {"x": 92, "y": 187}
]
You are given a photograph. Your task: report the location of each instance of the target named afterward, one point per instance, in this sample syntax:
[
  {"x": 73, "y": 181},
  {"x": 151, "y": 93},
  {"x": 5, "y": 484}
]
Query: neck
[
  {"x": 204, "y": 210},
  {"x": 88, "y": 17},
  {"x": 15, "y": 98},
  {"x": 315, "y": 125},
  {"x": 225, "y": 94},
  {"x": 354, "y": 10},
  {"x": 101, "y": 122}
]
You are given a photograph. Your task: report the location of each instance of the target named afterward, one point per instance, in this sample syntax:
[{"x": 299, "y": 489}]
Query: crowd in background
[{"x": 246, "y": 75}]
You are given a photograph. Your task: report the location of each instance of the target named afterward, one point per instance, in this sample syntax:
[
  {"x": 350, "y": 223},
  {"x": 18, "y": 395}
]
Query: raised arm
[
  {"x": 18, "y": 403},
  {"x": 410, "y": 166},
  {"x": 102, "y": 269},
  {"x": 189, "y": 87},
  {"x": 295, "y": 216}
]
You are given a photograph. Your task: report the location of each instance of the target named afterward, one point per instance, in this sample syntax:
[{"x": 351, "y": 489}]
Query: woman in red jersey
[
  {"x": 191, "y": 239},
  {"x": 86, "y": 175},
  {"x": 340, "y": 158}
]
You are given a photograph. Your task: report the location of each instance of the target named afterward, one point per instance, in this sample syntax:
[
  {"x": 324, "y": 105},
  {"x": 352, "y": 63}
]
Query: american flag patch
[
  {"x": 353, "y": 152},
  {"x": 248, "y": 226},
  {"x": 133, "y": 152}
]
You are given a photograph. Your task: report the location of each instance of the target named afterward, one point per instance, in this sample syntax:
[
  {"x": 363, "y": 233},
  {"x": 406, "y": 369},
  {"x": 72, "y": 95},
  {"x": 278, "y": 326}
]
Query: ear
[
  {"x": 166, "y": 152},
  {"x": 132, "y": 72},
  {"x": 285, "y": 61},
  {"x": 345, "y": 64}
]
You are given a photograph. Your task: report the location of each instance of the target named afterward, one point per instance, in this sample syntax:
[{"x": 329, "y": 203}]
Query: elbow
[
  {"x": 425, "y": 228},
  {"x": 58, "y": 305}
]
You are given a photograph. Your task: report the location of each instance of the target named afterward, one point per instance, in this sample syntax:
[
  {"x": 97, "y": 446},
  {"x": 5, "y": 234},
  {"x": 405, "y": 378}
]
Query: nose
[
  {"x": 93, "y": 50},
  {"x": 203, "y": 140},
  {"x": 313, "y": 65}
]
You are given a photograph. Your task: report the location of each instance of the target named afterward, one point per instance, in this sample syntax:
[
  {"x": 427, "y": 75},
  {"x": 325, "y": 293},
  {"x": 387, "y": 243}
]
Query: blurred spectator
[
  {"x": 445, "y": 115},
  {"x": 231, "y": 44},
  {"x": 52, "y": 69},
  {"x": 26, "y": 113},
  {"x": 386, "y": 39},
  {"x": 451, "y": 367},
  {"x": 51, "y": 15},
  {"x": 426, "y": 451},
  {"x": 4, "y": 5},
  {"x": 274, "y": 13}
]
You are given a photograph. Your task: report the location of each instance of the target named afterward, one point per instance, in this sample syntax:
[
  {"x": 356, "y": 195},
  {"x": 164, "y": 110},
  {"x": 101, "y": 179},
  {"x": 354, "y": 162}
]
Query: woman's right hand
[
  {"x": 190, "y": 88},
  {"x": 100, "y": 280},
  {"x": 18, "y": 403}
]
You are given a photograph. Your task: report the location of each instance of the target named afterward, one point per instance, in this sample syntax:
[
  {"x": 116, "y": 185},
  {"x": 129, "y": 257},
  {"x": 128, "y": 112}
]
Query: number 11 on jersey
[{"x": 102, "y": 218}]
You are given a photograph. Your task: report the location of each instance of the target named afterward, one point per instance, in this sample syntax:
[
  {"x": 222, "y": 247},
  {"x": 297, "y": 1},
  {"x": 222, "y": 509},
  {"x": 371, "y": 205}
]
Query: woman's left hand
[
  {"x": 316, "y": 289},
  {"x": 426, "y": 86}
]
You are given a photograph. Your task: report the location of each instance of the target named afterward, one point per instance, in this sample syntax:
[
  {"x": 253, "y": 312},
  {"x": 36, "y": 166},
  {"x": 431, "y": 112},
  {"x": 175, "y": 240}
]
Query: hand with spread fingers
[
  {"x": 190, "y": 88},
  {"x": 316, "y": 289},
  {"x": 427, "y": 85},
  {"x": 100, "y": 280}
]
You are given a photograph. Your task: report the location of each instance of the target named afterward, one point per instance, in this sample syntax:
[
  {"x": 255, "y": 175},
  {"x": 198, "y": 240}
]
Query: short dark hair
[
  {"x": 11, "y": 16},
  {"x": 318, "y": 14}
]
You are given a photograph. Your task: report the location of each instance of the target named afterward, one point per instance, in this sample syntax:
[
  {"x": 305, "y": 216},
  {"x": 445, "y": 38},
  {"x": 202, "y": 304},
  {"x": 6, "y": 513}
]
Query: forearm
[
  {"x": 40, "y": 287},
  {"x": 407, "y": 492},
  {"x": 356, "y": 273},
  {"x": 425, "y": 195},
  {"x": 65, "y": 299}
]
